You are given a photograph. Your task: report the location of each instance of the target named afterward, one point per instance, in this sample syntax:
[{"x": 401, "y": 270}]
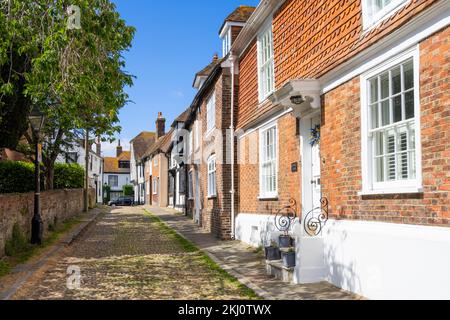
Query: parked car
[{"x": 122, "y": 201}]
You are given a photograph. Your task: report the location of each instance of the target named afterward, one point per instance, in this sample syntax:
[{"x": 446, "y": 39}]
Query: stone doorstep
[{"x": 279, "y": 271}]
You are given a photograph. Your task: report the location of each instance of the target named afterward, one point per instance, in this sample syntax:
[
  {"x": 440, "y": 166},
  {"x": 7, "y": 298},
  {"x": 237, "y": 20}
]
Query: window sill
[
  {"x": 391, "y": 191},
  {"x": 268, "y": 198},
  {"x": 212, "y": 197}
]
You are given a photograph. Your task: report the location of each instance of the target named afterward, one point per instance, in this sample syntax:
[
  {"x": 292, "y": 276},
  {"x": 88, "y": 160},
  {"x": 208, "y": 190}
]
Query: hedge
[
  {"x": 68, "y": 176},
  {"x": 18, "y": 177},
  {"x": 128, "y": 190}
]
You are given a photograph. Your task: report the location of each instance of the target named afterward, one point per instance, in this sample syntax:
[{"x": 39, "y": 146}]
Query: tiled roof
[
  {"x": 207, "y": 70},
  {"x": 161, "y": 145},
  {"x": 182, "y": 117},
  {"x": 241, "y": 14},
  {"x": 142, "y": 143},
  {"x": 112, "y": 163}
]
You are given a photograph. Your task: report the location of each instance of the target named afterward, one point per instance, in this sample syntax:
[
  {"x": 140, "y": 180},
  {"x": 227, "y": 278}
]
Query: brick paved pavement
[
  {"x": 127, "y": 256},
  {"x": 248, "y": 265}
]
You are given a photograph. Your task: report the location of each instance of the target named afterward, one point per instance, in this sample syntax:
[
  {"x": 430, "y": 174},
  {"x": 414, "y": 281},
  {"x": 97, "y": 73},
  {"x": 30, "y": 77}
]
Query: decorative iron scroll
[
  {"x": 286, "y": 216},
  {"x": 316, "y": 219}
]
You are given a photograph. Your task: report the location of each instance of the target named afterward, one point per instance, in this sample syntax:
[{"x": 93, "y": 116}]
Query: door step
[{"x": 279, "y": 271}]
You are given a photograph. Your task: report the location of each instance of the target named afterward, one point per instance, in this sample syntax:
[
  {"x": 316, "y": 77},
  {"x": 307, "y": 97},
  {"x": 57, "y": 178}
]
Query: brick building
[
  {"x": 156, "y": 166},
  {"x": 210, "y": 184},
  {"x": 343, "y": 110}
]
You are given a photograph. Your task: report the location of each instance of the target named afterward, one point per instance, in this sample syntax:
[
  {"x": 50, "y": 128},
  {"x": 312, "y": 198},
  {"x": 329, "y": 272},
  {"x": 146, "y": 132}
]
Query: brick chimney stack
[
  {"x": 215, "y": 57},
  {"x": 119, "y": 150},
  {"x": 160, "y": 126}
]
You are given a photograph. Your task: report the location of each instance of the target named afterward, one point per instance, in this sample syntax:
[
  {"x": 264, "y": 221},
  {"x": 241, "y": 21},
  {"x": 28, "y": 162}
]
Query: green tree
[{"x": 76, "y": 75}]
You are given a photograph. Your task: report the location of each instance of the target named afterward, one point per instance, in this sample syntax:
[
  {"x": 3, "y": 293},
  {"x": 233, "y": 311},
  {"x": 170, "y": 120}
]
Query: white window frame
[
  {"x": 155, "y": 186},
  {"x": 262, "y": 91},
  {"x": 155, "y": 161},
  {"x": 371, "y": 19},
  {"x": 191, "y": 143},
  {"x": 197, "y": 135},
  {"x": 147, "y": 192},
  {"x": 226, "y": 42},
  {"x": 369, "y": 186},
  {"x": 263, "y": 193},
  {"x": 109, "y": 181},
  {"x": 191, "y": 185},
  {"x": 211, "y": 113},
  {"x": 212, "y": 176}
]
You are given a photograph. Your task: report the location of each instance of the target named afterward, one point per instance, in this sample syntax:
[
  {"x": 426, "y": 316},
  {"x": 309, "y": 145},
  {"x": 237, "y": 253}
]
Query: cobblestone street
[{"x": 128, "y": 255}]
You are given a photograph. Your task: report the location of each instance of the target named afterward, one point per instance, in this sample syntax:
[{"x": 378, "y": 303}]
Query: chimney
[
  {"x": 99, "y": 147},
  {"x": 119, "y": 150},
  {"x": 160, "y": 126},
  {"x": 216, "y": 57}
]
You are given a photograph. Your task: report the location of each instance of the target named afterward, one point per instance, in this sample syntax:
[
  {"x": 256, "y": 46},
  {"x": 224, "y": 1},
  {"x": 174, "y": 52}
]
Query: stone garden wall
[{"x": 57, "y": 206}]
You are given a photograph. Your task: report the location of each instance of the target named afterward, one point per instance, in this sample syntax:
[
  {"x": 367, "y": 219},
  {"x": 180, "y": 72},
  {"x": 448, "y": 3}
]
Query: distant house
[
  {"x": 177, "y": 167},
  {"x": 117, "y": 172},
  {"x": 11, "y": 155},
  {"x": 139, "y": 146},
  {"x": 156, "y": 161},
  {"x": 77, "y": 154}
]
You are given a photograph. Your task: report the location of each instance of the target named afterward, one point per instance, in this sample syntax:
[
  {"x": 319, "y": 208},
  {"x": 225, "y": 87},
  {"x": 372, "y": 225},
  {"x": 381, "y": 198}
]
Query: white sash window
[
  {"x": 391, "y": 140},
  {"x": 266, "y": 63},
  {"x": 212, "y": 179},
  {"x": 268, "y": 163}
]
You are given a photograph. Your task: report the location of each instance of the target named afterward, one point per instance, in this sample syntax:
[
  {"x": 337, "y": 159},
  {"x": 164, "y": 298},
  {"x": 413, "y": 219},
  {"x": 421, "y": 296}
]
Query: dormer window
[
  {"x": 375, "y": 11},
  {"x": 226, "y": 42},
  {"x": 124, "y": 164}
]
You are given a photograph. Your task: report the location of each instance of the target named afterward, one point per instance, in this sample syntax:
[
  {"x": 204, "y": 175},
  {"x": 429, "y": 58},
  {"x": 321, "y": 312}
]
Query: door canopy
[{"x": 302, "y": 95}]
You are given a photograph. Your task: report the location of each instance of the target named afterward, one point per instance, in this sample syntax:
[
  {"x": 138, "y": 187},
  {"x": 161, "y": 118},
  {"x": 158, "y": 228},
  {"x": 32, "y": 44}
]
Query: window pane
[
  {"x": 396, "y": 81},
  {"x": 386, "y": 113},
  {"x": 408, "y": 75},
  {"x": 379, "y": 144},
  {"x": 397, "y": 105},
  {"x": 384, "y": 85},
  {"x": 379, "y": 167},
  {"x": 409, "y": 105},
  {"x": 374, "y": 90},
  {"x": 391, "y": 167},
  {"x": 375, "y": 116}
]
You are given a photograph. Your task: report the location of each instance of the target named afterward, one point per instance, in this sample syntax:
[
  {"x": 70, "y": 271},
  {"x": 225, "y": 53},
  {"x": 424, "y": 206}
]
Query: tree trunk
[{"x": 49, "y": 176}]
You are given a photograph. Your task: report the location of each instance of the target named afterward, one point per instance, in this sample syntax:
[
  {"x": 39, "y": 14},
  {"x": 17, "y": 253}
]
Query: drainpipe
[{"x": 233, "y": 190}]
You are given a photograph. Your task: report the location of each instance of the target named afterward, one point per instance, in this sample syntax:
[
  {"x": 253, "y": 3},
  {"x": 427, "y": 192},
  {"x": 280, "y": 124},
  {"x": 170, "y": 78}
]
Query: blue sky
[{"x": 174, "y": 40}]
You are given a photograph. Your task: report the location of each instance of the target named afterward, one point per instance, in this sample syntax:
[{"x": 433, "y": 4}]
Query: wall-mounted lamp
[{"x": 297, "y": 100}]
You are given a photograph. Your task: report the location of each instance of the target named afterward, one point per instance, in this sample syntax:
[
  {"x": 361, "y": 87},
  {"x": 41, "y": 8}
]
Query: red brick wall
[
  {"x": 155, "y": 176},
  {"x": 341, "y": 148},
  {"x": 289, "y": 183},
  {"x": 248, "y": 85},
  {"x": 312, "y": 37},
  {"x": 216, "y": 212}
]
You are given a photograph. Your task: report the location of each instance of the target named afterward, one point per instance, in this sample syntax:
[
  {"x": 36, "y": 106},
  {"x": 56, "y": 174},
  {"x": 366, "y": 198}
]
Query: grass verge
[
  {"x": 29, "y": 251},
  {"x": 192, "y": 248}
]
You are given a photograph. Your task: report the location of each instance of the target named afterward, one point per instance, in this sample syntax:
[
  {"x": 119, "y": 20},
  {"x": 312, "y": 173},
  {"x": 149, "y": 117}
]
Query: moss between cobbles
[
  {"x": 206, "y": 260},
  {"x": 29, "y": 251}
]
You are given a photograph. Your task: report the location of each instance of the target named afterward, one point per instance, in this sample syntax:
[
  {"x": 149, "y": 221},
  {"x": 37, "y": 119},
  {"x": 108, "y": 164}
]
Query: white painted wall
[
  {"x": 388, "y": 261},
  {"x": 95, "y": 174},
  {"x": 256, "y": 229},
  {"x": 375, "y": 260},
  {"x": 124, "y": 179}
]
